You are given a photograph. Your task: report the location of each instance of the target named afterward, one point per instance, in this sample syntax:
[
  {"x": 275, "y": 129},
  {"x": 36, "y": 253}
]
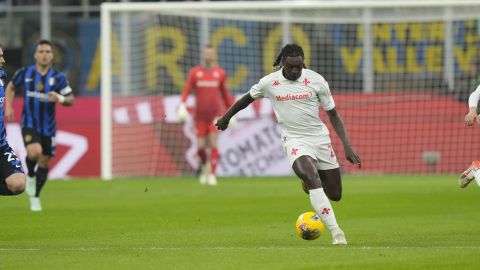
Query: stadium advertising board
[{"x": 147, "y": 130}]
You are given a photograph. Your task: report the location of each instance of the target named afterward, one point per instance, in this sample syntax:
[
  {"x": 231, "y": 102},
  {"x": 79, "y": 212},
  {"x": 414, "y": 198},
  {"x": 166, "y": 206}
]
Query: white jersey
[
  {"x": 474, "y": 97},
  {"x": 296, "y": 103}
]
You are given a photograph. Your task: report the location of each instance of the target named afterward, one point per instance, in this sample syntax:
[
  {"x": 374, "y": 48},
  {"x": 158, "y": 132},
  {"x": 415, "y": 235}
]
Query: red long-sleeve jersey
[{"x": 211, "y": 93}]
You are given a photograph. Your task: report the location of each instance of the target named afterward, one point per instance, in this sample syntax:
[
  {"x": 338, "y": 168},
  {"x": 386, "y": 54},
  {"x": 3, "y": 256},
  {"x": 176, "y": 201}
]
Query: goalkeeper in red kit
[{"x": 211, "y": 100}]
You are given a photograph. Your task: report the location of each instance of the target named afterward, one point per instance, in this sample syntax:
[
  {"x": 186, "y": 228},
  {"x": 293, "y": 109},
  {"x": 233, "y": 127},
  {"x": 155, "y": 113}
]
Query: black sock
[
  {"x": 41, "y": 174},
  {"x": 30, "y": 166},
  {"x": 4, "y": 191}
]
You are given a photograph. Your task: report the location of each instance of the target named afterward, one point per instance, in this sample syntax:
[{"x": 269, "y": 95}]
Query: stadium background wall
[{"x": 253, "y": 148}]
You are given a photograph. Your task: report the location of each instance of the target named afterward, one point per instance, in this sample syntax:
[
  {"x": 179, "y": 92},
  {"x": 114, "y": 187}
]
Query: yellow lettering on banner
[
  {"x": 470, "y": 34},
  {"x": 465, "y": 58},
  {"x": 401, "y": 31},
  {"x": 378, "y": 61},
  {"x": 392, "y": 61},
  {"x": 169, "y": 60},
  {"x": 301, "y": 38},
  {"x": 470, "y": 37},
  {"x": 382, "y": 32},
  {"x": 239, "y": 38},
  {"x": 270, "y": 49},
  {"x": 411, "y": 63},
  {"x": 270, "y": 46},
  {"x": 433, "y": 57},
  {"x": 93, "y": 78},
  {"x": 416, "y": 31},
  {"x": 360, "y": 32},
  {"x": 436, "y": 31},
  {"x": 351, "y": 58}
]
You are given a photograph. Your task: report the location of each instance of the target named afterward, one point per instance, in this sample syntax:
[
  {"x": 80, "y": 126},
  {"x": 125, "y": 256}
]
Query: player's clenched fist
[{"x": 222, "y": 123}]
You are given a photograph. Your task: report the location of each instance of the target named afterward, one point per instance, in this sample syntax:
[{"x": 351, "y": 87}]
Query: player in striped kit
[
  {"x": 211, "y": 98},
  {"x": 472, "y": 172},
  {"x": 12, "y": 178},
  {"x": 43, "y": 86},
  {"x": 296, "y": 94}
]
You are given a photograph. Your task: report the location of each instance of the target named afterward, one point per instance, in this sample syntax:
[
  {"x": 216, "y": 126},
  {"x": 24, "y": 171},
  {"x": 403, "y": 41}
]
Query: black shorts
[
  {"x": 9, "y": 162},
  {"x": 49, "y": 147}
]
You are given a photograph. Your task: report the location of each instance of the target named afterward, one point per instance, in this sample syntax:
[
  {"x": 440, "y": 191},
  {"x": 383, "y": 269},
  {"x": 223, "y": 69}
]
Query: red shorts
[{"x": 204, "y": 127}]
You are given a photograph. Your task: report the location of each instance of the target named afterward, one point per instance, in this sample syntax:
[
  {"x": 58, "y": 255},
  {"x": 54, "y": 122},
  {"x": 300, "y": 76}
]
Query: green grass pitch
[{"x": 391, "y": 222}]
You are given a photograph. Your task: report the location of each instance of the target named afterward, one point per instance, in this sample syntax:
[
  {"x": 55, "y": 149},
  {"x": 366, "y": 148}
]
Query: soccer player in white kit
[
  {"x": 473, "y": 172},
  {"x": 296, "y": 94}
]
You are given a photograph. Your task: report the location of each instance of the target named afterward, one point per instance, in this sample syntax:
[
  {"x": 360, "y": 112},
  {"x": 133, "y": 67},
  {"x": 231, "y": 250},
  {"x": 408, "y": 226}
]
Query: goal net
[{"x": 400, "y": 73}]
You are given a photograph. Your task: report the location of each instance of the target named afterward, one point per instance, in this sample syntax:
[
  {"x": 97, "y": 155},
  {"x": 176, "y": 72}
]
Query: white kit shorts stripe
[{"x": 322, "y": 152}]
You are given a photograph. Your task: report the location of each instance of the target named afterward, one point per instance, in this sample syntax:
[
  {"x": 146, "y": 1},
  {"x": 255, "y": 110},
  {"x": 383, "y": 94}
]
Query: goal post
[{"x": 416, "y": 58}]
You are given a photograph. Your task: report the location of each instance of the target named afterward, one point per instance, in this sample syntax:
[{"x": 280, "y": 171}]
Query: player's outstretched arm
[
  {"x": 339, "y": 128},
  {"x": 242, "y": 103}
]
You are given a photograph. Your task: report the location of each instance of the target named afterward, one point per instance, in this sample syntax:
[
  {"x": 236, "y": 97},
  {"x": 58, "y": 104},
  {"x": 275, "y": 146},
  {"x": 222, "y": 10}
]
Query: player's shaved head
[{"x": 209, "y": 55}]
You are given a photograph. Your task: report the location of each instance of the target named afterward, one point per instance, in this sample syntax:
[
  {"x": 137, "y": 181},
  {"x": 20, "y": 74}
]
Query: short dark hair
[
  {"x": 292, "y": 50},
  {"x": 43, "y": 42}
]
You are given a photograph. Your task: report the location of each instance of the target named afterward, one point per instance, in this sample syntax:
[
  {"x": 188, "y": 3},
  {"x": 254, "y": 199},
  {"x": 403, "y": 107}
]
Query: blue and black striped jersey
[
  {"x": 3, "y": 134},
  {"x": 38, "y": 113}
]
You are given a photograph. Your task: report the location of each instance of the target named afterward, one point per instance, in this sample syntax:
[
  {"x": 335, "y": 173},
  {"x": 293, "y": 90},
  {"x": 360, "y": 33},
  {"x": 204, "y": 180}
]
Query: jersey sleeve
[
  {"x": 188, "y": 86},
  {"x": 18, "y": 77},
  {"x": 63, "y": 86},
  {"x": 474, "y": 97},
  {"x": 258, "y": 90},
  {"x": 325, "y": 96}
]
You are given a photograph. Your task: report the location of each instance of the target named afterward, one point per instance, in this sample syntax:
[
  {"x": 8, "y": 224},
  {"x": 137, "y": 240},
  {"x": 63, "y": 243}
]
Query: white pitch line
[
  {"x": 241, "y": 248},
  {"x": 19, "y": 249}
]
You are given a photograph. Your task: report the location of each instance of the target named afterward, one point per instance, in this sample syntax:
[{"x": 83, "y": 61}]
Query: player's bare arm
[
  {"x": 472, "y": 107},
  {"x": 471, "y": 115},
  {"x": 9, "y": 96},
  {"x": 242, "y": 103},
  {"x": 339, "y": 128},
  {"x": 67, "y": 100}
]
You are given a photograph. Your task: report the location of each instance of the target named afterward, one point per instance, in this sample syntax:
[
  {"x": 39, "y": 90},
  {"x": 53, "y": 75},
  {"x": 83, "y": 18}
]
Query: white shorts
[{"x": 321, "y": 152}]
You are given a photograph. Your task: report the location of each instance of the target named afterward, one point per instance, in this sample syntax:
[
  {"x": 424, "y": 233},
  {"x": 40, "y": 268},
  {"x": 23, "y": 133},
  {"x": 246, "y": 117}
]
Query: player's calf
[{"x": 334, "y": 195}]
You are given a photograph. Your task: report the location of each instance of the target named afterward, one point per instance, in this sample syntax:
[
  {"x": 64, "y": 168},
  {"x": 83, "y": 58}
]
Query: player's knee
[
  {"x": 307, "y": 177},
  {"x": 34, "y": 151},
  {"x": 17, "y": 185}
]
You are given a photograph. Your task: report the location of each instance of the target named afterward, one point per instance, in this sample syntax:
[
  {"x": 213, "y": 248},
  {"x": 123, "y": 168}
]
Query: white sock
[
  {"x": 476, "y": 174},
  {"x": 322, "y": 206}
]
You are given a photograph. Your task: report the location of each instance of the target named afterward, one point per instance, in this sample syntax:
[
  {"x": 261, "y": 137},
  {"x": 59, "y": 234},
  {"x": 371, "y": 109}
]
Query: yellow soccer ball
[{"x": 309, "y": 226}]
